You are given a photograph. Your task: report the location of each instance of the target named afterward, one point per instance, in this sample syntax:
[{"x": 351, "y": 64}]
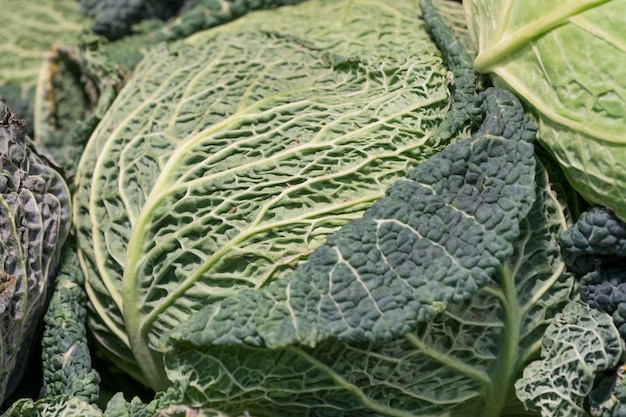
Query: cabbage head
[
  {"x": 230, "y": 156},
  {"x": 566, "y": 60},
  {"x": 34, "y": 223}
]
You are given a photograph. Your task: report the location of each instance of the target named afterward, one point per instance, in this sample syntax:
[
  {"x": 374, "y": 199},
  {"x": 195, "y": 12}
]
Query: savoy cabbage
[
  {"x": 578, "y": 346},
  {"x": 70, "y": 384},
  {"x": 434, "y": 302},
  {"x": 297, "y": 215},
  {"x": 595, "y": 248},
  {"x": 564, "y": 58},
  {"x": 229, "y": 157},
  {"x": 34, "y": 223},
  {"x": 431, "y": 304},
  {"x": 59, "y": 77}
]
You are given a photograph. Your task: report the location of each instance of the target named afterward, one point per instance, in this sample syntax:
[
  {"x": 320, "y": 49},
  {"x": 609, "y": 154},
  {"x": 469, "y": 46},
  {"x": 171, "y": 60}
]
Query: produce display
[{"x": 320, "y": 208}]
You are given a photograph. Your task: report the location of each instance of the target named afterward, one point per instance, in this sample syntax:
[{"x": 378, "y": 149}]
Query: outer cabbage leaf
[
  {"x": 462, "y": 361},
  {"x": 65, "y": 354},
  {"x": 196, "y": 15},
  {"x": 73, "y": 406},
  {"x": 58, "y": 406},
  {"x": 115, "y": 18},
  {"x": 65, "y": 96},
  {"x": 434, "y": 239},
  {"x": 34, "y": 223},
  {"x": 580, "y": 344},
  {"x": 565, "y": 58},
  {"x": 231, "y": 156},
  {"x": 43, "y": 76},
  {"x": 459, "y": 62},
  {"x": 164, "y": 405},
  {"x": 70, "y": 384},
  {"x": 595, "y": 248},
  {"x": 455, "y": 19},
  {"x": 597, "y": 232}
]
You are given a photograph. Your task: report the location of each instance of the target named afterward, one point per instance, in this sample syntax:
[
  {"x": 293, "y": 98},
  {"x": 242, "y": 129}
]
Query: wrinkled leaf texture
[
  {"x": 59, "y": 406},
  {"x": 34, "y": 223},
  {"x": 578, "y": 345},
  {"x": 462, "y": 361},
  {"x": 566, "y": 59},
  {"x": 117, "y": 18},
  {"x": 597, "y": 232},
  {"x": 231, "y": 156},
  {"x": 65, "y": 353}
]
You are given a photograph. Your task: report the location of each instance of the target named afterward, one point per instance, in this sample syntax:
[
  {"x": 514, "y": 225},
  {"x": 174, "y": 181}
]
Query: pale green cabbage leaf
[
  {"x": 71, "y": 386},
  {"x": 566, "y": 59},
  {"x": 578, "y": 345},
  {"x": 229, "y": 157},
  {"x": 384, "y": 319}
]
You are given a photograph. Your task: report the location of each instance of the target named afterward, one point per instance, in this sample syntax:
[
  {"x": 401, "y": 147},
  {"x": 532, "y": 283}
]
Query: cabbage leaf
[
  {"x": 566, "y": 59},
  {"x": 229, "y": 157},
  {"x": 428, "y": 338},
  {"x": 34, "y": 223},
  {"x": 578, "y": 345}
]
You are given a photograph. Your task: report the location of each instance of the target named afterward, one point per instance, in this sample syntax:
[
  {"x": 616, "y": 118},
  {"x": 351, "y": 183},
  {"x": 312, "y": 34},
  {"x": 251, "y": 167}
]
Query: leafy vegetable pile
[{"x": 318, "y": 209}]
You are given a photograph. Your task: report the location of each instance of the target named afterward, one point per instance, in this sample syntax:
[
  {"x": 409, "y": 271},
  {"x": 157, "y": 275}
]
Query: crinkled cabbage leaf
[
  {"x": 566, "y": 59},
  {"x": 432, "y": 304},
  {"x": 118, "y": 18},
  {"x": 115, "y": 18},
  {"x": 229, "y": 157},
  {"x": 34, "y": 223},
  {"x": 578, "y": 345}
]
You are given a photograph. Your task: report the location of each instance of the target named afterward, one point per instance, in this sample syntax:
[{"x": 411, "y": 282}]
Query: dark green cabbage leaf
[
  {"x": 34, "y": 223},
  {"x": 565, "y": 60},
  {"x": 118, "y": 18},
  {"x": 432, "y": 304}
]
